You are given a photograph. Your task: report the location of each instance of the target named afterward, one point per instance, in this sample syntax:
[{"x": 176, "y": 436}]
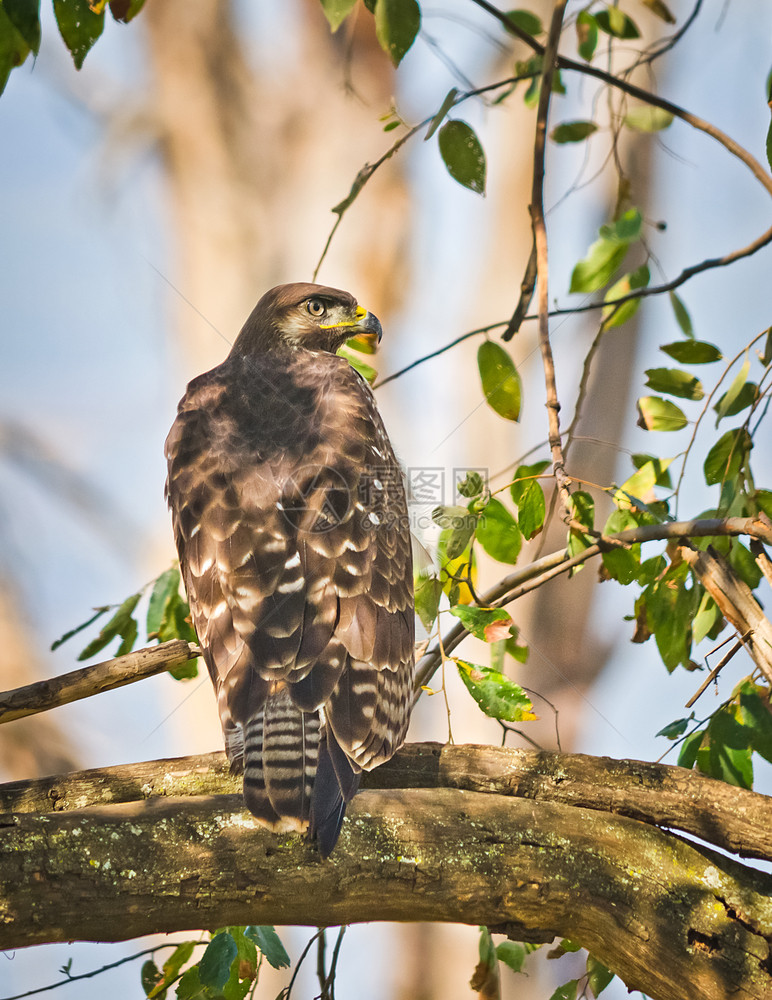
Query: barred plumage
[{"x": 291, "y": 525}]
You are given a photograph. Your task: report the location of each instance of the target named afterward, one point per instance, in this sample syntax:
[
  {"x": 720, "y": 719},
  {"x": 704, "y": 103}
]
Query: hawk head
[{"x": 313, "y": 317}]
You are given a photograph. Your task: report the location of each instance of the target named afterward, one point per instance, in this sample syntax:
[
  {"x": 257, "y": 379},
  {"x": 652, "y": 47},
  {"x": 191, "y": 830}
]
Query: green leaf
[
  {"x": 497, "y": 696},
  {"x": 115, "y": 627},
  {"x": 617, "y": 315},
  {"x": 576, "y": 131},
  {"x": 746, "y": 397},
  {"x": 744, "y": 564},
  {"x": 269, "y": 943},
  {"x": 150, "y": 977},
  {"x": 657, "y": 414},
  {"x": 368, "y": 373},
  {"x": 726, "y": 754},
  {"x": 586, "y": 34},
  {"x": 164, "y": 588},
  {"x": 707, "y": 619},
  {"x": 24, "y": 15},
  {"x": 670, "y": 607},
  {"x": 528, "y": 495},
  {"x": 462, "y": 154},
  {"x": 128, "y": 634},
  {"x": 487, "y": 624},
  {"x": 675, "y": 729},
  {"x": 583, "y": 511},
  {"x": 661, "y": 466},
  {"x": 567, "y": 991},
  {"x": 614, "y": 22},
  {"x": 734, "y": 390},
  {"x": 190, "y": 987},
  {"x": 125, "y": 10},
  {"x": 472, "y": 485},
  {"x": 674, "y": 382},
  {"x": 79, "y": 628},
  {"x": 692, "y": 352},
  {"x": 447, "y": 104},
  {"x": 766, "y": 356},
  {"x": 687, "y": 756},
  {"x": 769, "y": 145},
  {"x": 500, "y": 380},
  {"x": 661, "y": 10},
  {"x": 460, "y": 525},
  {"x": 682, "y": 315},
  {"x": 454, "y": 570},
  {"x": 622, "y": 564},
  {"x": 756, "y": 719},
  {"x": 397, "y": 22},
  {"x": 605, "y": 256},
  {"x": 511, "y": 954},
  {"x": 598, "y": 976},
  {"x": 727, "y": 455},
  {"x": 646, "y": 118},
  {"x": 13, "y": 49},
  {"x": 498, "y": 533},
  {"x": 79, "y": 26},
  {"x": 763, "y": 501},
  {"x": 214, "y": 969},
  {"x": 428, "y": 591},
  {"x": 336, "y": 11},
  {"x": 181, "y": 954},
  {"x": 525, "y": 21}
]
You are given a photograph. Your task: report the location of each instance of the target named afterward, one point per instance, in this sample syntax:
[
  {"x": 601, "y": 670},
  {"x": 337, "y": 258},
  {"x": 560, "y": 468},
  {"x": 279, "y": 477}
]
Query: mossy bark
[{"x": 672, "y": 918}]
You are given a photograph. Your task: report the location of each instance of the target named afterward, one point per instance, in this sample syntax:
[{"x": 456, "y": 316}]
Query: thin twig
[
  {"x": 527, "y": 286},
  {"x": 441, "y": 350},
  {"x": 735, "y": 648},
  {"x": 542, "y": 256},
  {"x": 733, "y": 147},
  {"x": 94, "y": 972}
]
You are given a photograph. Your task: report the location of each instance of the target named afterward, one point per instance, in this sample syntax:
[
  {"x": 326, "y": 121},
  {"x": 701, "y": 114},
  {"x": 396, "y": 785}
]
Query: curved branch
[
  {"x": 672, "y": 918},
  {"x": 733, "y": 819}
]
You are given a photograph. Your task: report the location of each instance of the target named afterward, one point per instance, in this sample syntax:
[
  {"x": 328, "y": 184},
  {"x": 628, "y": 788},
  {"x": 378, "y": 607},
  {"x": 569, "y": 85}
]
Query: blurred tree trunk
[{"x": 28, "y": 747}]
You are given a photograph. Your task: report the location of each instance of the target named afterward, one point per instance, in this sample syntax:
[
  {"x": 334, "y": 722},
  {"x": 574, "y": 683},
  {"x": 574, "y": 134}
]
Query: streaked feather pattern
[{"x": 291, "y": 524}]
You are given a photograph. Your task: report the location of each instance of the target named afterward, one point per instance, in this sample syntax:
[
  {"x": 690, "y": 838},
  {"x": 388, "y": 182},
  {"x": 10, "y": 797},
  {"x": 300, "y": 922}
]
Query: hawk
[{"x": 290, "y": 519}]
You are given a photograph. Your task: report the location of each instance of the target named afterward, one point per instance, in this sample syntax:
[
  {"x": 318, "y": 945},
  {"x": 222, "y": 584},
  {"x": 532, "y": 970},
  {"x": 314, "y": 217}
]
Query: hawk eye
[{"x": 315, "y": 307}]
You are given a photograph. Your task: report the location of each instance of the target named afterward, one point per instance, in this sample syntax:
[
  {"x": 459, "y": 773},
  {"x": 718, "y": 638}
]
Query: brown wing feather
[{"x": 291, "y": 524}]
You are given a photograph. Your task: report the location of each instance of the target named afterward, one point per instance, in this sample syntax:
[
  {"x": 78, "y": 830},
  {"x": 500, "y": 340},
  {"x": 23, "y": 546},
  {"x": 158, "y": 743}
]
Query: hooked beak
[{"x": 366, "y": 332}]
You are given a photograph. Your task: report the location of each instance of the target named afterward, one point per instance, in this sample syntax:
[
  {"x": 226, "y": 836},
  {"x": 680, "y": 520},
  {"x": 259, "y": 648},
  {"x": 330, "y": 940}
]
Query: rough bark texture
[
  {"x": 106, "y": 676},
  {"x": 673, "y": 919}
]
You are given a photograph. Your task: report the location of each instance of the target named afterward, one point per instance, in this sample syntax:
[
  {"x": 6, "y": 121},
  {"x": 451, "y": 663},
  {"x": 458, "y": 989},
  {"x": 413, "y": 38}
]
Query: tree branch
[
  {"x": 673, "y": 919},
  {"x": 83, "y": 683},
  {"x": 536, "y": 574},
  {"x": 541, "y": 250}
]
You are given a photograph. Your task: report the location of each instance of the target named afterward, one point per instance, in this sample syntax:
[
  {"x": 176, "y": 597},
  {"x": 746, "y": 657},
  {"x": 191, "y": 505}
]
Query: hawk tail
[
  {"x": 336, "y": 783},
  {"x": 281, "y": 752},
  {"x": 296, "y": 776}
]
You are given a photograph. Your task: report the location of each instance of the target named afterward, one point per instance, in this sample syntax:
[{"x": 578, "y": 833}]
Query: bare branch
[
  {"x": 542, "y": 256},
  {"x": 83, "y": 683}
]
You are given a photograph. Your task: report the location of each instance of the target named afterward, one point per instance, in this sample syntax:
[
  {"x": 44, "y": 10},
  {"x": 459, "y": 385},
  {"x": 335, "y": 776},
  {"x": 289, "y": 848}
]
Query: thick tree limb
[
  {"x": 673, "y": 919},
  {"x": 44, "y": 695},
  {"x": 733, "y": 819}
]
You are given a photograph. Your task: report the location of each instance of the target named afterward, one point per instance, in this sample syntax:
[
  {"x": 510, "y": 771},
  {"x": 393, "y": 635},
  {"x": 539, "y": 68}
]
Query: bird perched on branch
[{"x": 291, "y": 524}]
